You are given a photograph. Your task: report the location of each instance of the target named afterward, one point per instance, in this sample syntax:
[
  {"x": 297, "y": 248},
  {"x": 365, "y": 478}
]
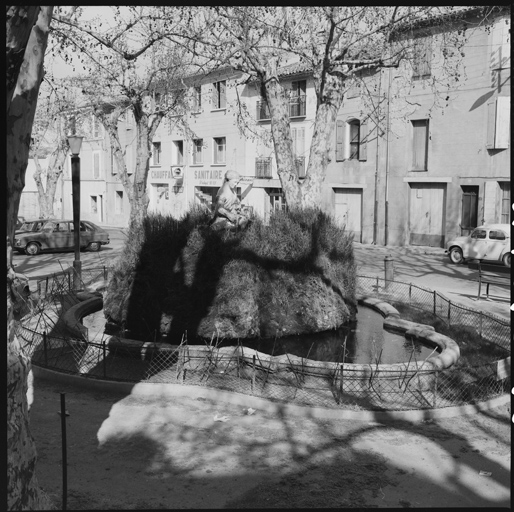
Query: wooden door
[
  {"x": 427, "y": 214},
  {"x": 348, "y": 210}
]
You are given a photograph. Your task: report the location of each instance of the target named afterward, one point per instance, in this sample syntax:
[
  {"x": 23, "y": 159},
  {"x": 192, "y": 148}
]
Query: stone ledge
[{"x": 72, "y": 318}]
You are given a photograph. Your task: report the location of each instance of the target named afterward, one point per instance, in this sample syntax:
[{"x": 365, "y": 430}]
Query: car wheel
[
  {"x": 32, "y": 249},
  {"x": 456, "y": 255},
  {"x": 506, "y": 259},
  {"x": 94, "y": 246}
]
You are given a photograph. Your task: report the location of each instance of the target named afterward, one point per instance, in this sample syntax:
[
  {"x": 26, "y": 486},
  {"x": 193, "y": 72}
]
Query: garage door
[
  {"x": 348, "y": 210},
  {"x": 427, "y": 214}
]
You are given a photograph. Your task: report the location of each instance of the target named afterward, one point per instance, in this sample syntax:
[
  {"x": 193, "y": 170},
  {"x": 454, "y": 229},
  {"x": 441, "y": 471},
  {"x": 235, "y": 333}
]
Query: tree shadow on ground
[{"x": 155, "y": 451}]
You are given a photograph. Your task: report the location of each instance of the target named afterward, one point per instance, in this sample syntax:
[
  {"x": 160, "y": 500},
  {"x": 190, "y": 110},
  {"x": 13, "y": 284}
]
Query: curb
[{"x": 155, "y": 390}]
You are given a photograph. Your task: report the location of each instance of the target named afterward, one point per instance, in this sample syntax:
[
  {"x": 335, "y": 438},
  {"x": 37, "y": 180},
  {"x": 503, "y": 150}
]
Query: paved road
[
  {"x": 428, "y": 267},
  {"x": 37, "y": 267}
]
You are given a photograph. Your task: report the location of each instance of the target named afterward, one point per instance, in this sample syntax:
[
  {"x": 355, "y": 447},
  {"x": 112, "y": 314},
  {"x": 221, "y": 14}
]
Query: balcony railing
[
  {"x": 263, "y": 167},
  {"x": 263, "y": 112},
  {"x": 300, "y": 166},
  {"x": 297, "y": 106}
]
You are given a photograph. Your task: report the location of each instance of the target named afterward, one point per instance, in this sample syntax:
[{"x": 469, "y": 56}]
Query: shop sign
[
  {"x": 209, "y": 177},
  {"x": 161, "y": 175}
]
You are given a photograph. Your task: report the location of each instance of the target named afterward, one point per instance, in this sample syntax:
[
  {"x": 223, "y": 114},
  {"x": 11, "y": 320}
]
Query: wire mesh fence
[{"x": 303, "y": 382}]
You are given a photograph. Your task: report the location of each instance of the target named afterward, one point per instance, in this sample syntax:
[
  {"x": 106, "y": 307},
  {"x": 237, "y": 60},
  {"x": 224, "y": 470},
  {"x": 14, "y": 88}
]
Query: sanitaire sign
[{"x": 201, "y": 177}]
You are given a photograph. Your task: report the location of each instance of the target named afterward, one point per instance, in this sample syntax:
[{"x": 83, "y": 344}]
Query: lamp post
[{"x": 75, "y": 142}]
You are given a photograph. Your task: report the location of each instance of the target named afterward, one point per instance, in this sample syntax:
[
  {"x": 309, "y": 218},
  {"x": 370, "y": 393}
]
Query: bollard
[{"x": 389, "y": 270}]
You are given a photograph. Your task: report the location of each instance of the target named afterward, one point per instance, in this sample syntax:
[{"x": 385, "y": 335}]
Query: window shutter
[
  {"x": 502, "y": 122},
  {"x": 491, "y": 124},
  {"x": 223, "y": 94},
  {"x": 215, "y": 96},
  {"x": 96, "y": 165},
  {"x": 339, "y": 141},
  {"x": 363, "y": 141}
]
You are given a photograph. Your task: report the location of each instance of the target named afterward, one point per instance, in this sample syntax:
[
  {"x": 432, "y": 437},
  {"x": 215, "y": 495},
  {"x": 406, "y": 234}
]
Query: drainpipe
[
  {"x": 375, "y": 209},
  {"x": 387, "y": 162}
]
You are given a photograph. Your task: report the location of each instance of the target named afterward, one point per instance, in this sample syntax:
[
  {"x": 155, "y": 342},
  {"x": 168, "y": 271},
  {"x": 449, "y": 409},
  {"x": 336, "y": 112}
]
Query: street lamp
[{"x": 75, "y": 142}]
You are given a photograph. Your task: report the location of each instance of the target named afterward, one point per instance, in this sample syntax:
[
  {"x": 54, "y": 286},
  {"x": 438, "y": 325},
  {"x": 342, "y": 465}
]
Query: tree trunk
[
  {"x": 282, "y": 141},
  {"x": 46, "y": 196},
  {"x": 23, "y": 492},
  {"x": 322, "y": 140}
]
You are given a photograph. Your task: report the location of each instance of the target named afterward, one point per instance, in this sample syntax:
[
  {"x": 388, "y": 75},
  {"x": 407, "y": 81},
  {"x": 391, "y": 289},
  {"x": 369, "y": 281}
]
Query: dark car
[
  {"x": 19, "y": 222},
  {"x": 57, "y": 235}
]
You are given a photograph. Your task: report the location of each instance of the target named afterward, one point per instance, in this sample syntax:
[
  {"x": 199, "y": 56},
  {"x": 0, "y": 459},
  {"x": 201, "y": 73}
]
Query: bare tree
[
  {"x": 27, "y": 31},
  {"x": 337, "y": 44},
  {"x": 133, "y": 69},
  {"x": 49, "y": 140}
]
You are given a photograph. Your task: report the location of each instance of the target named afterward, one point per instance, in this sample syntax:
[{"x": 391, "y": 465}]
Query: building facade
[{"x": 403, "y": 170}]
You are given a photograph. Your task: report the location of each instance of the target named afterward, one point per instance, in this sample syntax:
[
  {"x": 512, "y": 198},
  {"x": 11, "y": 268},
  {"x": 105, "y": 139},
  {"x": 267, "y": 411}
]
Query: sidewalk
[{"x": 430, "y": 268}]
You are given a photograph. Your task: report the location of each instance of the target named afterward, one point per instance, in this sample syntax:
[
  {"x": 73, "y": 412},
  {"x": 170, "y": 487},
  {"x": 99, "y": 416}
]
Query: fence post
[
  {"x": 46, "y": 288},
  {"x": 480, "y": 331},
  {"x": 435, "y": 388},
  {"x": 341, "y": 384},
  {"x": 449, "y": 312},
  {"x": 410, "y": 291},
  {"x": 45, "y": 349},
  {"x": 105, "y": 360},
  {"x": 105, "y": 273},
  {"x": 253, "y": 372},
  {"x": 435, "y": 303}
]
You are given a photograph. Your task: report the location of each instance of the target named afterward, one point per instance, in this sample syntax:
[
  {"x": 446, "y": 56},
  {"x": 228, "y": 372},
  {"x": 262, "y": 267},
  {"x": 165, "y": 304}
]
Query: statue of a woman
[{"x": 228, "y": 211}]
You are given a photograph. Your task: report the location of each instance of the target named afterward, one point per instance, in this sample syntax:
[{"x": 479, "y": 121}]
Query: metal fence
[
  {"x": 239, "y": 369},
  {"x": 487, "y": 326}
]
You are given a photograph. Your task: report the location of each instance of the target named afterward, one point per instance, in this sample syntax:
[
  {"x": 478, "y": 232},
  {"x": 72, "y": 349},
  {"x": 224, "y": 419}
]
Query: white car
[{"x": 490, "y": 242}]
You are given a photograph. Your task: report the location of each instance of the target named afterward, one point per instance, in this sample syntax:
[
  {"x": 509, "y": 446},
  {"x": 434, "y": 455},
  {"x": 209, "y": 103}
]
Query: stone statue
[{"x": 229, "y": 213}]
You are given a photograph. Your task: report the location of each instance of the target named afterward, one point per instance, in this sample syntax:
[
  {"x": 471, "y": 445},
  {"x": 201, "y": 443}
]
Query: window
[
  {"x": 277, "y": 200},
  {"x": 197, "y": 98},
  {"x": 422, "y": 58},
  {"x": 505, "y": 202},
  {"x": 354, "y": 139},
  {"x": 96, "y": 128},
  {"x": 118, "y": 202},
  {"x": 156, "y": 153},
  {"x": 219, "y": 96},
  {"x": 197, "y": 151},
  {"x": 219, "y": 150},
  {"x": 263, "y": 167},
  {"x": 479, "y": 233},
  {"x": 96, "y": 165},
  {"x": 263, "y": 112},
  {"x": 297, "y": 98},
  {"x": 178, "y": 152},
  {"x": 420, "y": 145},
  {"x": 496, "y": 235},
  {"x": 94, "y": 204}
]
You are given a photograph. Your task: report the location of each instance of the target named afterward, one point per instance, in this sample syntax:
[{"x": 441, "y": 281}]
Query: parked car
[
  {"x": 19, "y": 222},
  {"x": 490, "y": 242},
  {"x": 30, "y": 225},
  {"x": 57, "y": 235}
]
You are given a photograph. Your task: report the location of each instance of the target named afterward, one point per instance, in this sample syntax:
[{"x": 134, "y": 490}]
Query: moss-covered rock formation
[{"x": 294, "y": 275}]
